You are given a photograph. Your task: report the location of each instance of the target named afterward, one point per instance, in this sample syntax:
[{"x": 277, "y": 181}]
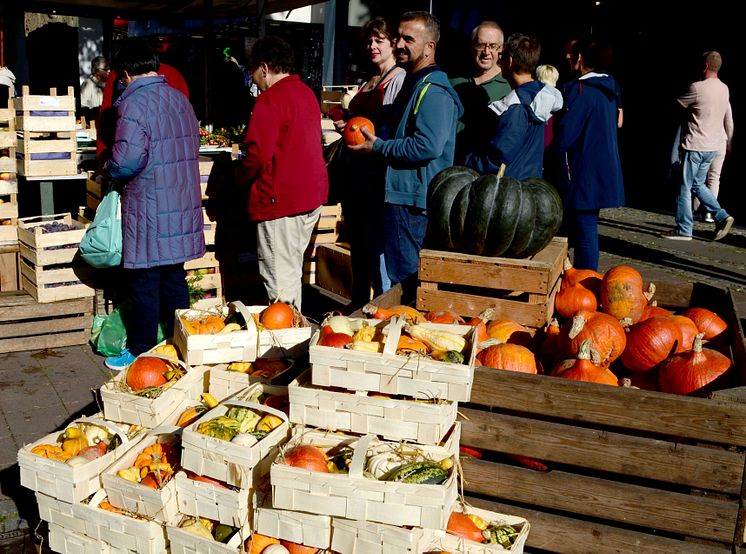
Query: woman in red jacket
[{"x": 284, "y": 167}]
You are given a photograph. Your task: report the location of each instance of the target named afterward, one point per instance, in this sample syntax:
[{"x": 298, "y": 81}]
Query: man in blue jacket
[
  {"x": 518, "y": 142},
  {"x": 155, "y": 157},
  {"x": 425, "y": 113}
]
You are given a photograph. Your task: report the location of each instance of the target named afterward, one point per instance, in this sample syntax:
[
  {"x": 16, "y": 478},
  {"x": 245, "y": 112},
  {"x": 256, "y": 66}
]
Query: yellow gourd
[
  {"x": 437, "y": 340},
  {"x": 268, "y": 422}
]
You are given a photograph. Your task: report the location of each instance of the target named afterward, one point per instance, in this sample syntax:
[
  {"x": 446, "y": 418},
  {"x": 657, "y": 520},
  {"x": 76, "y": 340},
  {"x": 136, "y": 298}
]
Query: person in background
[
  {"x": 587, "y": 144},
  {"x": 107, "y": 116},
  {"x": 92, "y": 89},
  {"x": 518, "y": 142},
  {"x": 7, "y": 85},
  {"x": 716, "y": 167},
  {"x": 487, "y": 84},
  {"x": 284, "y": 168},
  {"x": 363, "y": 199},
  {"x": 426, "y": 112},
  {"x": 706, "y": 104},
  {"x": 549, "y": 75},
  {"x": 154, "y": 158}
]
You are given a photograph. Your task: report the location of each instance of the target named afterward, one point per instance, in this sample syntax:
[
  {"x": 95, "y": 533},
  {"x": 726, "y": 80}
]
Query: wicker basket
[
  {"x": 225, "y": 461},
  {"x": 423, "y": 422},
  {"x": 199, "y": 499},
  {"x": 389, "y": 373},
  {"x": 312, "y": 530},
  {"x": 363, "y": 537},
  {"x": 124, "y": 406},
  {"x": 354, "y": 496},
  {"x": 184, "y": 542},
  {"x": 445, "y": 541},
  {"x": 159, "y": 504},
  {"x": 224, "y": 383},
  {"x": 64, "y": 482},
  {"x": 69, "y": 542}
]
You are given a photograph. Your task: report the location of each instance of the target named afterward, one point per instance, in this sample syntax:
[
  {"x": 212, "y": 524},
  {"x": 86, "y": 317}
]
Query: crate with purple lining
[
  {"x": 46, "y": 154},
  {"x": 45, "y": 113},
  {"x": 371, "y": 480},
  {"x": 389, "y": 372}
]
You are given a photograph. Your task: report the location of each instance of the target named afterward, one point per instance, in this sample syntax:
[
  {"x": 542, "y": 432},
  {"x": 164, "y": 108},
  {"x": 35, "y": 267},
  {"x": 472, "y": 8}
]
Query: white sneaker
[{"x": 708, "y": 218}]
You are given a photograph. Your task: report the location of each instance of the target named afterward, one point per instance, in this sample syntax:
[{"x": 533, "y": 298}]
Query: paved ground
[{"x": 40, "y": 391}]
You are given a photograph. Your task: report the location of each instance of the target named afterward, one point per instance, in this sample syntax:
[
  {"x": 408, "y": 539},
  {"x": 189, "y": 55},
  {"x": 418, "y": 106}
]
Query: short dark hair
[
  {"x": 377, "y": 26},
  {"x": 596, "y": 54},
  {"x": 431, "y": 23},
  {"x": 275, "y": 52},
  {"x": 524, "y": 50},
  {"x": 136, "y": 57}
]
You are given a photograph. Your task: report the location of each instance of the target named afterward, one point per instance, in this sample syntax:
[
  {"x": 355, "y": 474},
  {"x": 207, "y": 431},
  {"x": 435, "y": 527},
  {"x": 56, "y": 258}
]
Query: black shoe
[{"x": 722, "y": 228}]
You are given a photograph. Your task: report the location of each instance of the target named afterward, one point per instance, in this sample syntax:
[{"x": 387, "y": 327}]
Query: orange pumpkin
[
  {"x": 570, "y": 300},
  {"x": 606, "y": 334},
  {"x": 650, "y": 342},
  {"x": 512, "y": 357},
  {"x": 209, "y": 325},
  {"x": 688, "y": 332},
  {"x": 549, "y": 351},
  {"x": 352, "y": 133},
  {"x": 707, "y": 321},
  {"x": 278, "y": 315},
  {"x": 445, "y": 316},
  {"x": 461, "y": 526},
  {"x": 653, "y": 310},
  {"x": 147, "y": 372},
  {"x": 692, "y": 372},
  {"x": 505, "y": 330},
  {"x": 582, "y": 369},
  {"x": 307, "y": 456},
  {"x": 408, "y": 343},
  {"x": 586, "y": 278},
  {"x": 622, "y": 293}
]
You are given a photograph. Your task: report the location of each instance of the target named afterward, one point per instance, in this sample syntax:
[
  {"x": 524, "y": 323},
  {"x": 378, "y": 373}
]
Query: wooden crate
[
  {"x": 9, "y": 266},
  {"x": 27, "y": 325},
  {"x": 41, "y": 113},
  {"x": 521, "y": 290},
  {"x": 334, "y": 269},
  {"x": 355, "y": 496},
  {"x": 390, "y": 418},
  {"x": 440, "y": 540},
  {"x": 8, "y": 126},
  {"x": 9, "y": 208},
  {"x": 630, "y": 470},
  {"x": 325, "y": 232},
  {"x": 41, "y": 154}
]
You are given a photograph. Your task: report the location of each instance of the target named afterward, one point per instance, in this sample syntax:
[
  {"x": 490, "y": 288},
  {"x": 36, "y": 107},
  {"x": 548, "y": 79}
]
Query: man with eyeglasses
[
  {"x": 487, "y": 84},
  {"x": 92, "y": 89}
]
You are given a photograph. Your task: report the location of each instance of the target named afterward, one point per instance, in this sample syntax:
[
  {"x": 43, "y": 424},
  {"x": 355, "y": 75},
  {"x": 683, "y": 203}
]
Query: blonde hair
[{"x": 547, "y": 74}]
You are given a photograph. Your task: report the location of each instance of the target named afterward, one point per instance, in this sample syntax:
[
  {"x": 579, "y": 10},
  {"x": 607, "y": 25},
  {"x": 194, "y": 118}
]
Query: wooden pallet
[
  {"x": 630, "y": 470},
  {"x": 27, "y": 325},
  {"x": 521, "y": 290}
]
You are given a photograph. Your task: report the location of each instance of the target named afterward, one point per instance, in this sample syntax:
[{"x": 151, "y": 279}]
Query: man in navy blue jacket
[
  {"x": 518, "y": 142},
  {"x": 424, "y": 117}
]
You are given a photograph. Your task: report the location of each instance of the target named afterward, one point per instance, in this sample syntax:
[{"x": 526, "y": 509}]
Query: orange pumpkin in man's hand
[{"x": 352, "y": 133}]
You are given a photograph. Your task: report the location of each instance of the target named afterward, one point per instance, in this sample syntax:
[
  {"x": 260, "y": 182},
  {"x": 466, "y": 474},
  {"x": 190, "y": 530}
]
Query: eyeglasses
[{"x": 482, "y": 46}]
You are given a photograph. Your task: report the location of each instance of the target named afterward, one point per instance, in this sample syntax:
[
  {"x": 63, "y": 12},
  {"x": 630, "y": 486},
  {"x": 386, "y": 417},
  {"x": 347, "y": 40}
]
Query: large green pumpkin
[{"x": 489, "y": 215}]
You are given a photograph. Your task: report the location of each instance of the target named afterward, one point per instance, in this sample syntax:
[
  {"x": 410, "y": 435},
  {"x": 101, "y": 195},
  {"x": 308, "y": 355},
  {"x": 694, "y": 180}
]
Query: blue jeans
[
  {"x": 583, "y": 230},
  {"x": 155, "y": 292},
  {"x": 694, "y": 166},
  {"x": 405, "y": 232}
]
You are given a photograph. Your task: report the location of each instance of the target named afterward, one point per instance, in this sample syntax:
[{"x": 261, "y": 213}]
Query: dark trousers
[
  {"x": 405, "y": 232},
  {"x": 583, "y": 229},
  {"x": 155, "y": 292}
]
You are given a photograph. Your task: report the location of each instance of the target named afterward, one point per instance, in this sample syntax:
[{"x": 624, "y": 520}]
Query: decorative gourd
[
  {"x": 505, "y": 330},
  {"x": 278, "y": 315},
  {"x": 707, "y": 321},
  {"x": 586, "y": 278},
  {"x": 491, "y": 215},
  {"x": 256, "y": 543},
  {"x": 295, "y": 548},
  {"x": 622, "y": 293},
  {"x": 352, "y": 132},
  {"x": 512, "y": 357},
  {"x": 606, "y": 334},
  {"x": 308, "y": 457},
  {"x": 145, "y": 372},
  {"x": 570, "y": 300},
  {"x": 582, "y": 369},
  {"x": 691, "y": 372},
  {"x": 407, "y": 343},
  {"x": 461, "y": 525},
  {"x": 335, "y": 340},
  {"x": 650, "y": 342},
  {"x": 409, "y": 313},
  {"x": 445, "y": 316},
  {"x": 168, "y": 350},
  {"x": 210, "y": 325}
]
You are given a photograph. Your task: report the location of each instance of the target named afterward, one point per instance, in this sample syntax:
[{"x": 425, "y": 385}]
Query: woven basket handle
[
  {"x": 394, "y": 333},
  {"x": 166, "y": 430},
  {"x": 241, "y": 309},
  {"x": 106, "y": 425},
  {"x": 358, "y": 456},
  {"x": 165, "y": 358}
]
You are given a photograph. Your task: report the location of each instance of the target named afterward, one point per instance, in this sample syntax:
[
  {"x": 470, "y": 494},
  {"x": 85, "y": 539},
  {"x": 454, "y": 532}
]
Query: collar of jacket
[{"x": 137, "y": 84}]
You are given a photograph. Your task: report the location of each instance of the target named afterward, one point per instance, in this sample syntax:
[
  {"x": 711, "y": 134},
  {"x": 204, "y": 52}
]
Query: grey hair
[{"x": 488, "y": 25}]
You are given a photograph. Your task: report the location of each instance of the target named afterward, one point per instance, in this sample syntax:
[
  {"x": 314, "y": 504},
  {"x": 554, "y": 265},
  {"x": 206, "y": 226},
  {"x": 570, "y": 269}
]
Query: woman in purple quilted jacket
[{"x": 155, "y": 159}]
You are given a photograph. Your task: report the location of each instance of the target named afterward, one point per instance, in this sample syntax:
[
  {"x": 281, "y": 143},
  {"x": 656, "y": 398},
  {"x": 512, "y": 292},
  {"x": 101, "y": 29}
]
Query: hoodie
[
  {"x": 424, "y": 141},
  {"x": 519, "y": 139},
  {"x": 587, "y": 142}
]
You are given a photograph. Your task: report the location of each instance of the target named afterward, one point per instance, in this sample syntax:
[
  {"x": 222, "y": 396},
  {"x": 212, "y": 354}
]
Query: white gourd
[{"x": 275, "y": 549}]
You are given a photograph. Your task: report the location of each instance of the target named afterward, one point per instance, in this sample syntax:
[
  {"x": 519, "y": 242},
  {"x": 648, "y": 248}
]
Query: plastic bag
[
  {"x": 102, "y": 242},
  {"x": 110, "y": 339}
]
